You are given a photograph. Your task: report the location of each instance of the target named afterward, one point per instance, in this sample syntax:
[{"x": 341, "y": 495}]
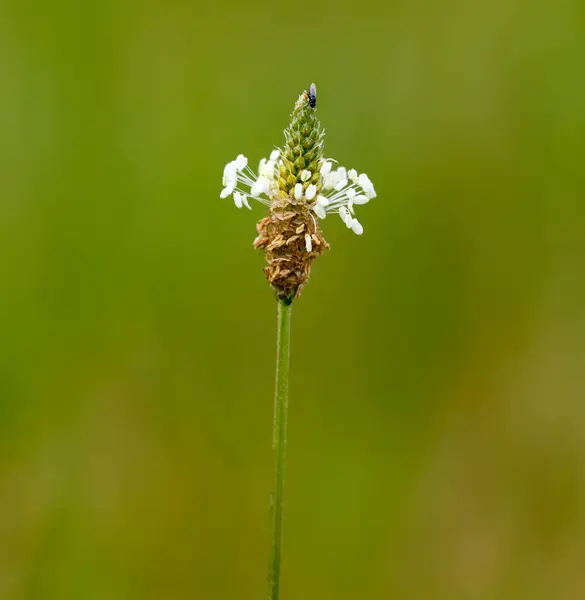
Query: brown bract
[{"x": 282, "y": 237}]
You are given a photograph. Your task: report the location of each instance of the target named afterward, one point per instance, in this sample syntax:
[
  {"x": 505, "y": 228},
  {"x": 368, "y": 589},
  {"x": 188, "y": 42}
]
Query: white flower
[
  {"x": 232, "y": 174},
  {"x": 341, "y": 191},
  {"x": 237, "y": 176},
  {"x": 337, "y": 191}
]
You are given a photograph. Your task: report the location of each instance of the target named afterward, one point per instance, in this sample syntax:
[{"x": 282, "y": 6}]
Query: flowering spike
[
  {"x": 303, "y": 149},
  {"x": 300, "y": 187}
]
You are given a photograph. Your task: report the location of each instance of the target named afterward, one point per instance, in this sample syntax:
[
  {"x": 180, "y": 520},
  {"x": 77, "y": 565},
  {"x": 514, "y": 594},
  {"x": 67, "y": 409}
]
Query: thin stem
[{"x": 279, "y": 442}]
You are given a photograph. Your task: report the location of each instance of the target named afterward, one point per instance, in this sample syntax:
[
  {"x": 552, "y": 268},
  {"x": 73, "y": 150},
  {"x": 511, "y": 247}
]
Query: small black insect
[{"x": 313, "y": 96}]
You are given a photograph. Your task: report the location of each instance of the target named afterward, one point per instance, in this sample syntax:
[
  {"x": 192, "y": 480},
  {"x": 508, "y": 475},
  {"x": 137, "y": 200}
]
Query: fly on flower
[
  {"x": 313, "y": 96},
  {"x": 300, "y": 187}
]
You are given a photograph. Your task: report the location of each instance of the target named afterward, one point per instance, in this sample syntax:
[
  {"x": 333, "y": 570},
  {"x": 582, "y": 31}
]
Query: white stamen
[
  {"x": 267, "y": 169},
  {"x": 230, "y": 174},
  {"x": 335, "y": 196},
  {"x": 227, "y": 191},
  {"x": 232, "y": 179},
  {"x": 357, "y": 227},
  {"x": 241, "y": 162},
  {"x": 319, "y": 211},
  {"x": 344, "y": 214},
  {"x": 367, "y": 185},
  {"x": 261, "y": 186},
  {"x": 330, "y": 180},
  {"x": 229, "y": 171}
]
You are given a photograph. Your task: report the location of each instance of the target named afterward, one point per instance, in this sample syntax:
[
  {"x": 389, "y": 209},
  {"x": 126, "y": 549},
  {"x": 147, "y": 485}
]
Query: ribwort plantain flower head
[{"x": 300, "y": 188}]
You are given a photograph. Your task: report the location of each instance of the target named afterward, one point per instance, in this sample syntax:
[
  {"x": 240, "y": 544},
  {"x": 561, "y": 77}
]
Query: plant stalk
[{"x": 279, "y": 442}]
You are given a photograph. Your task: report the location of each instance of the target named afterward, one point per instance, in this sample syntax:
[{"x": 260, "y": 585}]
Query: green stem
[{"x": 279, "y": 442}]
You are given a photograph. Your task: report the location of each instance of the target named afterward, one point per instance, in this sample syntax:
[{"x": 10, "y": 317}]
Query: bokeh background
[{"x": 437, "y": 415}]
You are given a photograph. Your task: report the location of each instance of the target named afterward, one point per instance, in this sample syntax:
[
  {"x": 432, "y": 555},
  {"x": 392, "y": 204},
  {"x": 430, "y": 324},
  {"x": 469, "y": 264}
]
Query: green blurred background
[{"x": 437, "y": 421}]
